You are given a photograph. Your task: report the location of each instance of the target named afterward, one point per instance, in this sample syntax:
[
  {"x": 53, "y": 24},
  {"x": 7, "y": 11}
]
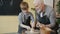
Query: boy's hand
[
  {"x": 32, "y": 30},
  {"x": 28, "y": 28},
  {"x": 32, "y": 25}
]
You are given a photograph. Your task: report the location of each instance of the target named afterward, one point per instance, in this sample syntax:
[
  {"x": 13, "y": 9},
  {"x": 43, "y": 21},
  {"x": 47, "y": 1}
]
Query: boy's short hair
[{"x": 24, "y": 5}]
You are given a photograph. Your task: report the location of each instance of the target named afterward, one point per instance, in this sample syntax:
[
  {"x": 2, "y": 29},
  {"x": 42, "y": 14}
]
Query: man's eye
[{"x": 36, "y": 6}]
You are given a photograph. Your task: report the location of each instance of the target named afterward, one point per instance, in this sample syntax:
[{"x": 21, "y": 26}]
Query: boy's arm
[
  {"x": 32, "y": 20},
  {"x": 24, "y": 26},
  {"x": 20, "y": 22}
]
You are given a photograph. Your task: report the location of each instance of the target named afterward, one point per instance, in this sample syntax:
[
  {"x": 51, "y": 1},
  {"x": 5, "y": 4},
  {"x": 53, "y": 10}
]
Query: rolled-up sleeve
[
  {"x": 20, "y": 18},
  {"x": 52, "y": 18}
]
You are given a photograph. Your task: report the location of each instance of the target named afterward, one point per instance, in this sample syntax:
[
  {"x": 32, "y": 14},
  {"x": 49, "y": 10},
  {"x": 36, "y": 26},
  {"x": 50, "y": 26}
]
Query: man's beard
[{"x": 38, "y": 11}]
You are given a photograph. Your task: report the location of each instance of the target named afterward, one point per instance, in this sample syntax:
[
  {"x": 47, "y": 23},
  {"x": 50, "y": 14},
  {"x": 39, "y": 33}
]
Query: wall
[
  {"x": 8, "y": 24},
  {"x": 49, "y": 2}
]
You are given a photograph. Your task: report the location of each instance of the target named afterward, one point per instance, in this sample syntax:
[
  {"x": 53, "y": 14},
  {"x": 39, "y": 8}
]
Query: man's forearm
[
  {"x": 50, "y": 25},
  {"x": 40, "y": 25}
]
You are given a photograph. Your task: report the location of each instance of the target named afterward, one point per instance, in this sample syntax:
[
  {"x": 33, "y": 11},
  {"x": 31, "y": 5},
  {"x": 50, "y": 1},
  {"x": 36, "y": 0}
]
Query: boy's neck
[{"x": 25, "y": 13}]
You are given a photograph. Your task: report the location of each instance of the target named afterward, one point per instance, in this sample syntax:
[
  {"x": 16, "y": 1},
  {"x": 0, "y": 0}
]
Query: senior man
[{"x": 45, "y": 15}]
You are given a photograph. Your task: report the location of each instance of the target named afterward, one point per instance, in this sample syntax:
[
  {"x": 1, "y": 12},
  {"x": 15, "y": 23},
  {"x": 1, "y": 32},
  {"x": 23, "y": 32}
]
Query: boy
[{"x": 24, "y": 18}]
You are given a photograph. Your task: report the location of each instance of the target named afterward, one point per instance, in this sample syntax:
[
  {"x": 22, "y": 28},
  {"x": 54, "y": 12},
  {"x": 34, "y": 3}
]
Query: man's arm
[
  {"x": 52, "y": 19},
  {"x": 20, "y": 22}
]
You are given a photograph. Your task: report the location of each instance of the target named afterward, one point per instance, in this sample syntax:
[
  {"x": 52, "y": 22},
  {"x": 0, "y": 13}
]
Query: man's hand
[
  {"x": 37, "y": 25},
  {"x": 40, "y": 25}
]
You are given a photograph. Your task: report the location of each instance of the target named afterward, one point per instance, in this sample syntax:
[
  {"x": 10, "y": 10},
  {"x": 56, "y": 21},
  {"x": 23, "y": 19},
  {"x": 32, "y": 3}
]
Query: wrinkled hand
[
  {"x": 37, "y": 25},
  {"x": 42, "y": 26}
]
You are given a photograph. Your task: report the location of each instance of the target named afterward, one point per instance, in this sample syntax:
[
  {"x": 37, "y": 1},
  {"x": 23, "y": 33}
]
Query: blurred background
[{"x": 9, "y": 10}]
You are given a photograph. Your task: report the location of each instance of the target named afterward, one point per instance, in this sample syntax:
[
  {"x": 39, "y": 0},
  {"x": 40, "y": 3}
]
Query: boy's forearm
[
  {"x": 32, "y": 25},
  {"x": 24, "y": 26}
]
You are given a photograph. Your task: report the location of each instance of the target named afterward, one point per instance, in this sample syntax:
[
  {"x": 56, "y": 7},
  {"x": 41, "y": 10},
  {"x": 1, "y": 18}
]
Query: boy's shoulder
[
  {"x": 20, "y": 13},
  {"x": 30, "y": 14}
]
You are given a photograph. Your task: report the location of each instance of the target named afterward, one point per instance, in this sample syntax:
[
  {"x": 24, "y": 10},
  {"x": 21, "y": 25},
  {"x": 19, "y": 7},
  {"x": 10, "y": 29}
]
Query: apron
[
  {"x": 26, "y": 22},
  {"x": 45, "y": 20}
]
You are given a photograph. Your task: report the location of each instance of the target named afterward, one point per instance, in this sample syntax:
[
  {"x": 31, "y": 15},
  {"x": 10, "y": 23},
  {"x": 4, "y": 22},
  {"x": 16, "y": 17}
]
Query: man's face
[{"x": 39, "y": 7}]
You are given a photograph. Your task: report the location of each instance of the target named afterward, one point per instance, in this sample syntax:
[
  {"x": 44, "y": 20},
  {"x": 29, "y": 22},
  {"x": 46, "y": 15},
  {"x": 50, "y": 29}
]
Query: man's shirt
[{"x": 50, "y": 13}]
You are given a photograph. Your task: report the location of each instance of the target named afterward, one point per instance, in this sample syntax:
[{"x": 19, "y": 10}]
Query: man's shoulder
[
  {"x": 49, "y": 10},
  {"x": 49, "y": 7}
]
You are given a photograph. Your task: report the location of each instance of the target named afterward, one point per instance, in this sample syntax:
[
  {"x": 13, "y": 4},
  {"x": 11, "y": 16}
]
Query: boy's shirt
[{"x": 22, "y": 16}]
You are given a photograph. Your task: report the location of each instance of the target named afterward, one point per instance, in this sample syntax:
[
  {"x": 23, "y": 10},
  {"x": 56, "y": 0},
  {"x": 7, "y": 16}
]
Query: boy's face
[{"x": 25, "y": 10}]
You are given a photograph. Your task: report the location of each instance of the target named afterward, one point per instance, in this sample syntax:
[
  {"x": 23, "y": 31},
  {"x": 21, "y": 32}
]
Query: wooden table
[
  {"x": 35, "y": 32},
  {"x": 45, "y": 30}
]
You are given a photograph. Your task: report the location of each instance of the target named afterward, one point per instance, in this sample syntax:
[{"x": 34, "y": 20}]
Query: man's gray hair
[{"x": 39, "y": 2}]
